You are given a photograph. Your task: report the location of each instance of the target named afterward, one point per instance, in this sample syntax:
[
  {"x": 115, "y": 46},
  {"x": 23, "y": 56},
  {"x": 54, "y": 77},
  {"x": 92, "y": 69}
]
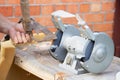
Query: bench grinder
[{"x": 80, "y": 49}]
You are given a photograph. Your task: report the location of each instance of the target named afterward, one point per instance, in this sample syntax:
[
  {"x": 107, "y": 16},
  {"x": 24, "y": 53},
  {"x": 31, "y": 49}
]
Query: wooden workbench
[{"x": 46, "y": 67}]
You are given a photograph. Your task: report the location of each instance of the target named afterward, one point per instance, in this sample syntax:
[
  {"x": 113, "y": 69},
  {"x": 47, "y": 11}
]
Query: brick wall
[{"x": 99, "y": 14}]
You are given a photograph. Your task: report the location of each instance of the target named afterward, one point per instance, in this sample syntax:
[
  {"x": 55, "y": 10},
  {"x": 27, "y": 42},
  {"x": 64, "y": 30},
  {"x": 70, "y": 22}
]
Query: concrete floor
[{"x": 16, "y": 73}]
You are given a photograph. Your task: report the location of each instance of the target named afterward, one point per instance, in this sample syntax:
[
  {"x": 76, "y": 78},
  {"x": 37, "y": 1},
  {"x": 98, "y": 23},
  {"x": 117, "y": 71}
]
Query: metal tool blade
[
  {"x": 39, "y": 28},
  {"x": 29, "y": 24}
]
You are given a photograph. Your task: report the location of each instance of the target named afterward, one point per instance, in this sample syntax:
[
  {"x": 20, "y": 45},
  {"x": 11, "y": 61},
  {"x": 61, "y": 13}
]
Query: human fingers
[
  {"x": 15, "y": 40},
  {"x": 13, "y": 36},
  {"x": 19, "y": 37},
  {"x": 23, "y": 37},
  {"x": 27, "y": 37}
]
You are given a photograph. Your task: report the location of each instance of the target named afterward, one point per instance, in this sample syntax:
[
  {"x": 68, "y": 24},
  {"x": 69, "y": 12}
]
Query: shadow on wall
[{"x": 116, "y": 30}]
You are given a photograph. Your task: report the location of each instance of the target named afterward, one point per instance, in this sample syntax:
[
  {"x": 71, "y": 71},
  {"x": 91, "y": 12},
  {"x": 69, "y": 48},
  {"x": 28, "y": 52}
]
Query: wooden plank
[
  {"x": 39, "y": 64},
  {"x": 46, "y": 67},
  {"x": 6, "y": 58}
]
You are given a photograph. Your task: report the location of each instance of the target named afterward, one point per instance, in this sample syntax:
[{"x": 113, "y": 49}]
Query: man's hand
[
  {"x": 15, "y": 30},
  {"x": 18, "y": 34}
]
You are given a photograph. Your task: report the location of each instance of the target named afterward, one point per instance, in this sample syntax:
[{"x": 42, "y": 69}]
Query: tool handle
[
  {"x": 25, "y": 10},
  {"x": 25, "y": 14}
]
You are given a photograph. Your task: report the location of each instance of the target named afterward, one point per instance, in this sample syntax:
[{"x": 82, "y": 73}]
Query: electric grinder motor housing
[{"x": 80, "y": 49}]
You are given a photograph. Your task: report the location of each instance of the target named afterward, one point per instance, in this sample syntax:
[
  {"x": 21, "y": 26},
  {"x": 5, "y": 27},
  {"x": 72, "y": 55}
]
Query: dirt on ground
[{"x": 17, "y": 73}]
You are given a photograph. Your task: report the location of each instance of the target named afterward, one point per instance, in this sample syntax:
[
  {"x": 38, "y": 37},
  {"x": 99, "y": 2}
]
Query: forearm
[{"x": 5, "y": 24}]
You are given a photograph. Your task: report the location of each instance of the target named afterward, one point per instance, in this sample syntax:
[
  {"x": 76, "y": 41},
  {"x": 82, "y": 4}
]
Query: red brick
[
  {"x": 108, "y": 0},
  {"x": 103, "y": 27},
  {"x": 94, "y": 17},
  {"x": 72, "y": 1},
  {"x": 34, "y": 10},
  {"x": 6, "y": 10},
  {"x": 14, "y": 19},
  {"x": 84, "y": 7},
  {"x": 52, "y": 29},
  {"x": 110, "y": 34},
  {"x": 90, "y": 25},
  {"x": 60, "y": 7},
  {"x": 31, "y": 1},
  {"x": 17, "y": 11},
  {"x": 44, "y": 20},
  {"x": 13, "y": 1},
  {"x": 108, "y": 6},
  {"x": 110, "y": 16},
  {"x": 46, "y": 9},
  {"x": 72, "y": 8},
  {"x": 69, "y": 20},
  {"x": 46, "y": 1},
  {"x": 17, "y": 1},
  {"x": 2, "y": 1},
  {"x": 95, "y": 7},
  {"x": 93, "y": 0}
]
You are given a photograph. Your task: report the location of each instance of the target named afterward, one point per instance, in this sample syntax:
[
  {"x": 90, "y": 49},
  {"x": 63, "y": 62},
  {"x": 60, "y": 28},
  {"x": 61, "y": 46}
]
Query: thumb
[{"x": 12, "y": 34}]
